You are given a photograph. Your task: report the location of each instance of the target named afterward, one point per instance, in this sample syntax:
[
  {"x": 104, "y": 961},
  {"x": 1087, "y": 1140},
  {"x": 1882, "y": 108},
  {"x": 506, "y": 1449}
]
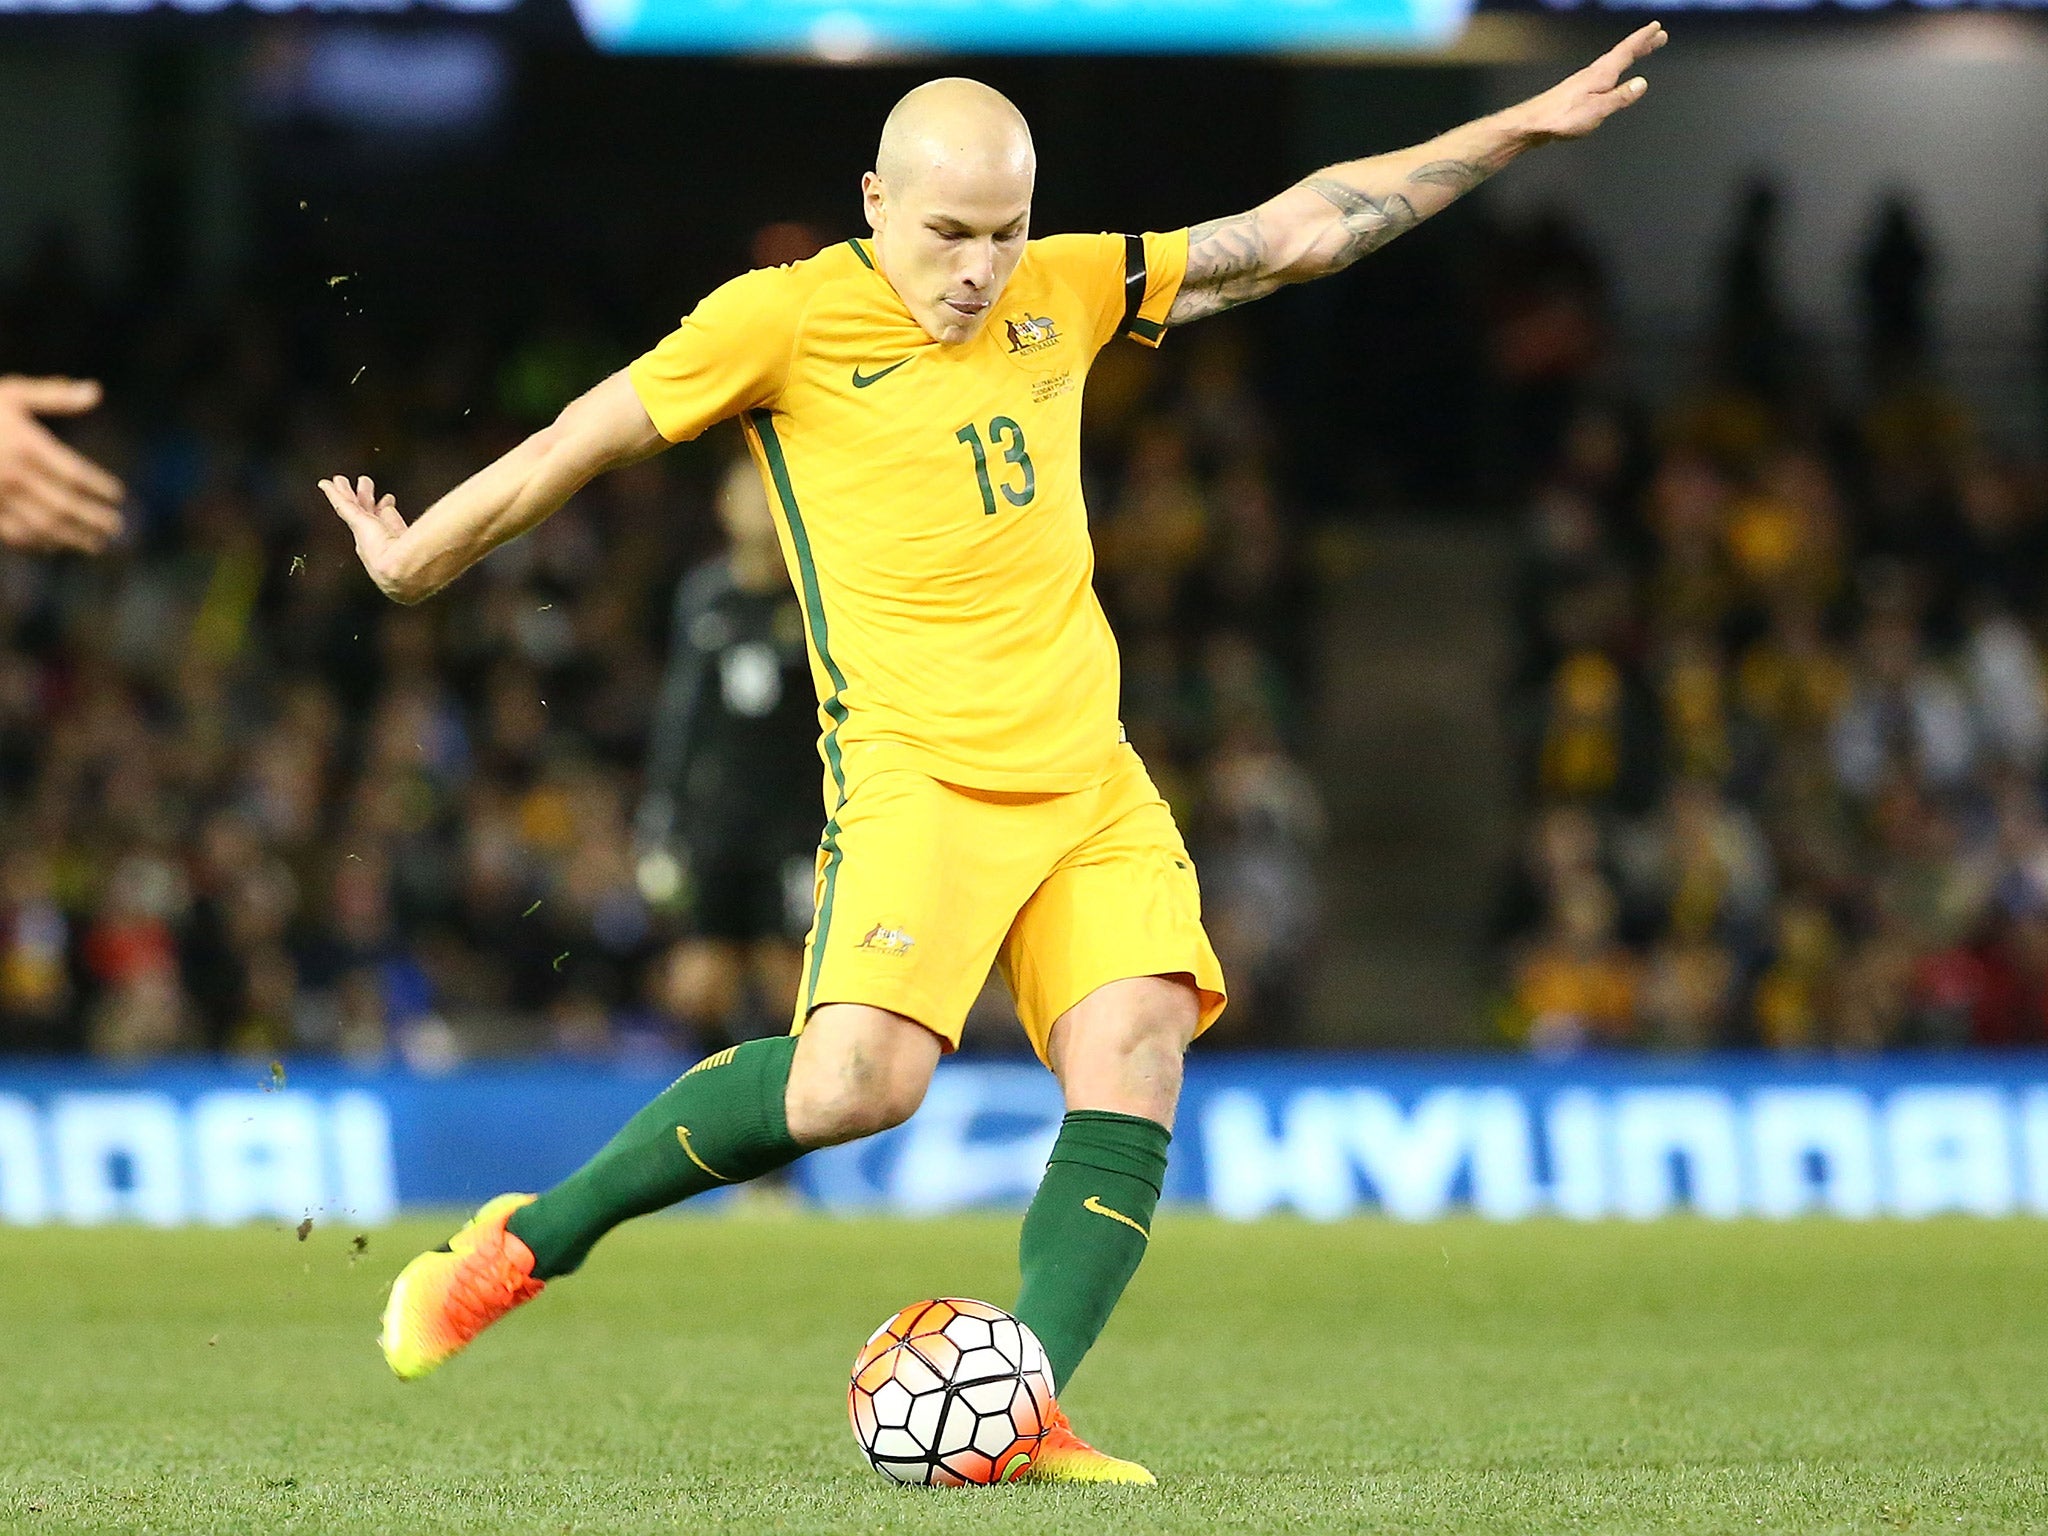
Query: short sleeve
[
  {"x": 1129, "y": 281},
  {"x": 730, "y": 354},
  {"x": 1166, "y": 264}
]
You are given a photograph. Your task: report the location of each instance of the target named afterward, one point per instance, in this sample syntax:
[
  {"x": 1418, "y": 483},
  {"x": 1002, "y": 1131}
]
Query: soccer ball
[{"x": 950, "y": 1392}]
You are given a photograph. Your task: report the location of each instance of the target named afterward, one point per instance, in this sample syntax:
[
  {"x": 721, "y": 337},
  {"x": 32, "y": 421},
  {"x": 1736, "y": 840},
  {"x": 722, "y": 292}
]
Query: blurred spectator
[
  {"x": 1755, "y": 348},
  {"x": 1894, "y": 286},
  {"x": 1576, "y": 985},
  {"x": 1544, "y": 297},
  {"x": 35, "y": 974},
  {"x": 1261, "y": 827}
]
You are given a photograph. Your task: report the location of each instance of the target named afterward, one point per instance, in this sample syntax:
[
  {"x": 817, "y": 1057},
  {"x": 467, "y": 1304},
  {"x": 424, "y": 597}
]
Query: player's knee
[
  {"x": 856, "y": 1074},
  {"x": 1121, "y": 1048},
  {"x": 888, "y": 1102},
  {"x": 868, "y": 1096},
  {"x": 1148, "y": 1057}
]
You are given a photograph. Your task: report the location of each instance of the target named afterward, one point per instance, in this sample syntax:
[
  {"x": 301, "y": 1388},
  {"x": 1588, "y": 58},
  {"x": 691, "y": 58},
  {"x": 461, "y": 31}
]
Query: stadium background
[{"x": 1604, "y": 628}]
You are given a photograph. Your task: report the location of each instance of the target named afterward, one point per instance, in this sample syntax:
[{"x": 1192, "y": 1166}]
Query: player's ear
[{"x": 873, "y": 200}]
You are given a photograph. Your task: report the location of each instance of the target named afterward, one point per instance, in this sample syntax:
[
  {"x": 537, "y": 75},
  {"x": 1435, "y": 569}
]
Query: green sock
[
  {"x": 1087, "y": 1229},
  {"x": 721, "y": 1122}
]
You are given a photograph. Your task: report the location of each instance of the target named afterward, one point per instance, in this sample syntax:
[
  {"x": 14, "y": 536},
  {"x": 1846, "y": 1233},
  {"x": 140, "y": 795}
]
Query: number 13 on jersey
[{"x": 1006, "y": 435}]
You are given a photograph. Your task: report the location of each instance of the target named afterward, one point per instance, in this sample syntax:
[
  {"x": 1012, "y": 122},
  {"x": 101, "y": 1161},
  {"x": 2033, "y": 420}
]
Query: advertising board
[{"x": 1323, "y": 1137}]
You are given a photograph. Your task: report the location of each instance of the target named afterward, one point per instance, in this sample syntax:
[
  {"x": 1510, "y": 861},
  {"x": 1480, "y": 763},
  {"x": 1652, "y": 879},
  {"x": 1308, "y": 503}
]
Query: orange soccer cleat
[
  {"x": 1064, "y": 1457},
  {"x": 449, "y": 1295}
]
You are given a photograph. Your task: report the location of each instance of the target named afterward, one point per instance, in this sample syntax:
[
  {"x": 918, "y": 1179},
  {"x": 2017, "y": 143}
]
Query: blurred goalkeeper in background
[
  {"x": 727, "y": 829},
  {"x": 913, "y": 403}
]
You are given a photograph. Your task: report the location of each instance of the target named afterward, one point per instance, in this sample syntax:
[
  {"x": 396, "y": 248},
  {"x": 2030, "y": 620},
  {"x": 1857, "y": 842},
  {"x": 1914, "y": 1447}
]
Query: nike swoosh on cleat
[
  {"x": 862, "y": 381},
  {"x": 1092, "y": 1203}
]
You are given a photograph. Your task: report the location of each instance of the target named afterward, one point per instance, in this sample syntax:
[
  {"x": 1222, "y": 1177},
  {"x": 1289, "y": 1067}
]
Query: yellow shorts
[{"x": 921, "y": 885}]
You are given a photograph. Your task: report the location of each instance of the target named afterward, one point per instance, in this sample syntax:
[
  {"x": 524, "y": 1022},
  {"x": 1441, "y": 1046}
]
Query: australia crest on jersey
[{"x": 1030, "y": 333}]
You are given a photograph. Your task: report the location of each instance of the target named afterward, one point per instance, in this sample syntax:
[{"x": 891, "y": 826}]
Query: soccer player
[
  {"x": 727, "y": 813},
  {"x": 51, "y": 497},
  {"x": 913, "y": 401}
]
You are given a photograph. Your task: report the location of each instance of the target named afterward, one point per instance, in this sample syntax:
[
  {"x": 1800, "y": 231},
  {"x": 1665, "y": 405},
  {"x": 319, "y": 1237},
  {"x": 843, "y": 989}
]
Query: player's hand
[
  {"x": 1577, "y": 105},
  {"x": 375, "y": 524},
  {"x": 51, "y": 497}
]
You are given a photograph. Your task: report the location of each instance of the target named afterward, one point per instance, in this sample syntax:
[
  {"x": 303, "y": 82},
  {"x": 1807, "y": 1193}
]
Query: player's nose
[{"x": 979, "y": 268}]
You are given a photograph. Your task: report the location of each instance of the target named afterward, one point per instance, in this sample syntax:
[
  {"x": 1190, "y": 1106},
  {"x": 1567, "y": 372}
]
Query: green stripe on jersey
[{"x": 814, "y": 603}]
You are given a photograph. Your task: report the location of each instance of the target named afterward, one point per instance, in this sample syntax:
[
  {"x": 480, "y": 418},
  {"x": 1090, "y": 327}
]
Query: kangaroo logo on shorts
[{"x": 886, "y": 940}]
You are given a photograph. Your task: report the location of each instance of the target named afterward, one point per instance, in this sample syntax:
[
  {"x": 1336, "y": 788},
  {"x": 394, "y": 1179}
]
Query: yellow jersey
[{"x": 928, "y": 498}]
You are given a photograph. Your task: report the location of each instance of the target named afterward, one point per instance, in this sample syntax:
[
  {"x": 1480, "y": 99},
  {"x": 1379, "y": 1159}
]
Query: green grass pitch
[{"x": 1278, "y": 1377}]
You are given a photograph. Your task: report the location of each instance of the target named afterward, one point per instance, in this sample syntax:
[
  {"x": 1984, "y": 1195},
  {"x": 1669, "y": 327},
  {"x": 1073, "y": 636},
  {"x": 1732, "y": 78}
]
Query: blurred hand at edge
[{"x": 51, "y": 496}]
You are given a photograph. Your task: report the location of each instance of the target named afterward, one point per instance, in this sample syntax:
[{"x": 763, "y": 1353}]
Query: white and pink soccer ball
[{"x": 950, "y": 1392}]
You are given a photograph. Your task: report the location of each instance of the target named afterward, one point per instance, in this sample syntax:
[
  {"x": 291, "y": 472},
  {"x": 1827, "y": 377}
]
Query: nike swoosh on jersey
[{"x": 862, "y": 381}]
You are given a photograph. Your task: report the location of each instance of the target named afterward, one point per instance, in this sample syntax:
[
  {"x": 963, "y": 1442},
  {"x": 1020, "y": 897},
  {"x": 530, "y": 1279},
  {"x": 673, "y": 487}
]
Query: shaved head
[
  {"x": 957, "y": 126},
  {"x": 949, "y": 201}
]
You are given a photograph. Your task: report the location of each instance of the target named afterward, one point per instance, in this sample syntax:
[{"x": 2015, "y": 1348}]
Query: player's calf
[
  {"x": 722, "y": 1122},
  {"x": 1117, "y": 1053}
]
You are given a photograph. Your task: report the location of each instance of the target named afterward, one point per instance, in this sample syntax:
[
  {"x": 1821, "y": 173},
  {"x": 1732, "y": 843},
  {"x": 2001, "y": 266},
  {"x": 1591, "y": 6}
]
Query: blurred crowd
[
  {"x": 247, "y": 805},
  {"x": 1782, "y": 696}
]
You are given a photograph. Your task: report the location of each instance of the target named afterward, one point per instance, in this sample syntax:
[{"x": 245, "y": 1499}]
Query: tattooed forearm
[
  {"x": 1461, "y": 176},
  {"x": 1365, "y": 223},
  {"x": 1320, "y": 226},
  {"x": 1368, "y": 221}
]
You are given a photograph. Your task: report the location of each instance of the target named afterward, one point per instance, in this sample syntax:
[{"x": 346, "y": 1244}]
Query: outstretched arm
[
  {"x": 598, "y": 431},
  {"x": 1325, "y": 223}
]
